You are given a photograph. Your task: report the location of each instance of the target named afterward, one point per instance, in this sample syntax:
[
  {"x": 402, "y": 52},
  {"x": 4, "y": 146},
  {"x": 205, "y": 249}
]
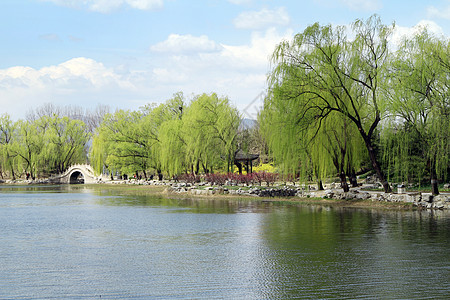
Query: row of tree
[
  {"x": 172, "y": 138},
  {"x": 47, "y": 145},
  {"x": 339, "y": 104}
]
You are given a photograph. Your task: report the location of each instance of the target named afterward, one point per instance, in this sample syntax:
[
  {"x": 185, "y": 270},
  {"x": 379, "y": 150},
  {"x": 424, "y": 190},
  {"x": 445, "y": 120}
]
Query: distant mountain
[{"x": 247, "y": 124}]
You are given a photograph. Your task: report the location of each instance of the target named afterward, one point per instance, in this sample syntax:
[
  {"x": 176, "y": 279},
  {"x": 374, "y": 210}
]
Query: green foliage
[
  {"x": 46, "y": 145},
  {"x": 418, "y": 140},
  {"x": 211, "y": 129},
  {"x": 7, "y": 138},
  {"x": 170, "y": 138},
  {"x": 330, "y": 97},
  {"x": 323, "y": 102}
]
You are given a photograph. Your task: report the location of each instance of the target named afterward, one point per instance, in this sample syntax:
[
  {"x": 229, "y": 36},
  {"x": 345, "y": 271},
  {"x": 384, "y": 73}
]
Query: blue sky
[{"x": 128, "y": 53}]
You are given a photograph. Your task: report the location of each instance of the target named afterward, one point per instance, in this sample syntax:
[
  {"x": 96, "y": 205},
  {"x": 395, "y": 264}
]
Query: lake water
[{"x": 79, "y": 243}]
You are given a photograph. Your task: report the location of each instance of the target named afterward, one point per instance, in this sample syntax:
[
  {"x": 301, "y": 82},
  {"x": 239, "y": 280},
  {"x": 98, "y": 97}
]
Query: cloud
[
  {"x": 240, "y": 2},
  {"x": 355, "y": 5},
  {"x": 363, "y": 5},
  {"x": 50, "y": 37},
  {"x": 79, "y": 81},
  {"x": 441, "y": 13},
  {"x": 186, "y": 44},
  {"x": 257, "y": 53},
  {"x": 106, "y": 6},
  {"x": 236, "y": 71},
  {"x": 75, "y": 39},
  {"x": 400, "y": 33},
  {"x": 262, "y": 19}
]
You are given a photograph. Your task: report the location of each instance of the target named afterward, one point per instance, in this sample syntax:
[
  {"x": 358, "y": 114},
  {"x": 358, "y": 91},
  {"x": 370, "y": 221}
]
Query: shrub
[
  {"x": 264, "y": 168},
  {"x": 189, "y": 178},
  {"x": 268, "y": 178},
  {"x": 216, "y": 179}
]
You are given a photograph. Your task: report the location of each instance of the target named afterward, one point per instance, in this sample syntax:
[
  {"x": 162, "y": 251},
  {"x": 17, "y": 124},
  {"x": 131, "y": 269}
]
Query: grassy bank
[{"x": 161, "y": 191}]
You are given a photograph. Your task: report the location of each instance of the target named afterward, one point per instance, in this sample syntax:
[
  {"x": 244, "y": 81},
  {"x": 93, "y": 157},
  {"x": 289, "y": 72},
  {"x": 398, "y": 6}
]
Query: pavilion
[{"x": 244, "y": 159}]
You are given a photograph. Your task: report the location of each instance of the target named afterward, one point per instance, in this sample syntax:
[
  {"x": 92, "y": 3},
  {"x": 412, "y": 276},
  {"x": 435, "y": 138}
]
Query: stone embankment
[
  {"x": 421, "y": 200},
  {"x": 20, "y": 181}
]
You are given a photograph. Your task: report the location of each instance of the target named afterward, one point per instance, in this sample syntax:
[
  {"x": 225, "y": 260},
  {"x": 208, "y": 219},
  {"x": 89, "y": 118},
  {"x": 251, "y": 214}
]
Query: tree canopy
[{"x": 333, "y": 93}]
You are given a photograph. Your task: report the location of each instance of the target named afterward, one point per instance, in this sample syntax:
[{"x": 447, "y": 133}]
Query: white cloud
[
  {"x": 79, "y": 81},
  {"x": 363, "y": 5},
  {"x": 442, "y": 13},
  {"x": 257, "y": 53},
  {"x": 356, "y": 5},
  {"x": 240, "y": 2},
  {"x": 186, "y": 44},
  {"x": 262, "y": 19},
  {"x": 401, "y": 33},
  {"x": 106, "y": 6},
  {"x": 236, "y": 71},
  {"x": 50, "y": 37}
]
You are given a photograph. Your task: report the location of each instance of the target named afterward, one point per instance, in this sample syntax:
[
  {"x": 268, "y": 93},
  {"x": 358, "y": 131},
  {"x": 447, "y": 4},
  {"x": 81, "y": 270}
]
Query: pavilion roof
[{"x": 242, "y": 156}]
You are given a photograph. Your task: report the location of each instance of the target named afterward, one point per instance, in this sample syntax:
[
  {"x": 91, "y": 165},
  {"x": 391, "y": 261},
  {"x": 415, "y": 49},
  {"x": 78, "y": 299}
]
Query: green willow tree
[
  {"x": 343, "y": 144},
  {"x": 335, "y": 75},
  {"x": 419, "y": 95},
  {"x": 173, "y": 147},
  {"x": 122, "y": 143},
  {"x": 289, "y": 138},
  {"x": 169, "y": 127},
  {"x": 66, "y": 140},
  {"x": 29, "y": 146},
  {"x": 170, "y": 138},
  {"x": 211, "y": 130},
  {"x": 7, "y": 137},
  {"x": 303, "y": 146}
]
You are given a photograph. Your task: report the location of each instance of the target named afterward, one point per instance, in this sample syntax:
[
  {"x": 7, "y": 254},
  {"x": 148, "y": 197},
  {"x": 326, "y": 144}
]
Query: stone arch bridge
[{"x": 77, "y": 174}]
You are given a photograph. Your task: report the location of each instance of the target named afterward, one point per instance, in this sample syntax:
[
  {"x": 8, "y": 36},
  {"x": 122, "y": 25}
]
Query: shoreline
[
  {"x": 162, "y": 191},
  {"x": 166, "y": 191}
]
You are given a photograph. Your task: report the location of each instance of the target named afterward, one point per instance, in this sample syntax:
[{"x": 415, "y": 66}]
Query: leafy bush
[
  {"x": 264, "y": 168},
  {"x": 268, "y": 178},
  {"x": 189, "y": 178},
  {"x": 216, "y": 179}
]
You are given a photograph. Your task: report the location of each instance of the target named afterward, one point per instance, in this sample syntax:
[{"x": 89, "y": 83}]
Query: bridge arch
[
  {"x": 77, "y": 174},
  {"x": 76, "y": 177}
]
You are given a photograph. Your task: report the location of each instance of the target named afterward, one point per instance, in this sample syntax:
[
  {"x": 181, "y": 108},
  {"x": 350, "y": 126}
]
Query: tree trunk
[
  {"x": 352, "y": 178},
  {"x": 344, "y": 184},
  {"x": 433, "y": 180},
  {"x": 320, "y": 185},
  {"x": 13, "y": 175},
  {"x": 239, "y": 165},
  {"x": 197, "y": 167},
  {"x": 376, "y": 165}
]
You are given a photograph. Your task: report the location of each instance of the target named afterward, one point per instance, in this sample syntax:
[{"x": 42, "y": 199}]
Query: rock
[
  {"x": 427, "y": 197},
  {"x": 411, "y": 198},
  {"x": 441, "y": 198},
  {"x": 438, "y": 205},
  {"x": 363, "y": 196}
]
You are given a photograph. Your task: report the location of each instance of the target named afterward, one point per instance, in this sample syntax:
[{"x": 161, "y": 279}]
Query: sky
[{"x": 129, "y": 53}]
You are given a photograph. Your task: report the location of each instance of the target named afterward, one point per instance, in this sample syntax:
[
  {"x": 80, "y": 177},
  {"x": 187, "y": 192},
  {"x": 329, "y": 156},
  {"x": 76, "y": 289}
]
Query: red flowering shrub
[
  {"x": 216, "y": 179},
  {"x": 189, "y": 178},
  {"x": 268, "y": 178}
]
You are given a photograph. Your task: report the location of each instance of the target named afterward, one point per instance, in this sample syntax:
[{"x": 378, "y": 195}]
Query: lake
[{"x": 87, "y": 243}]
